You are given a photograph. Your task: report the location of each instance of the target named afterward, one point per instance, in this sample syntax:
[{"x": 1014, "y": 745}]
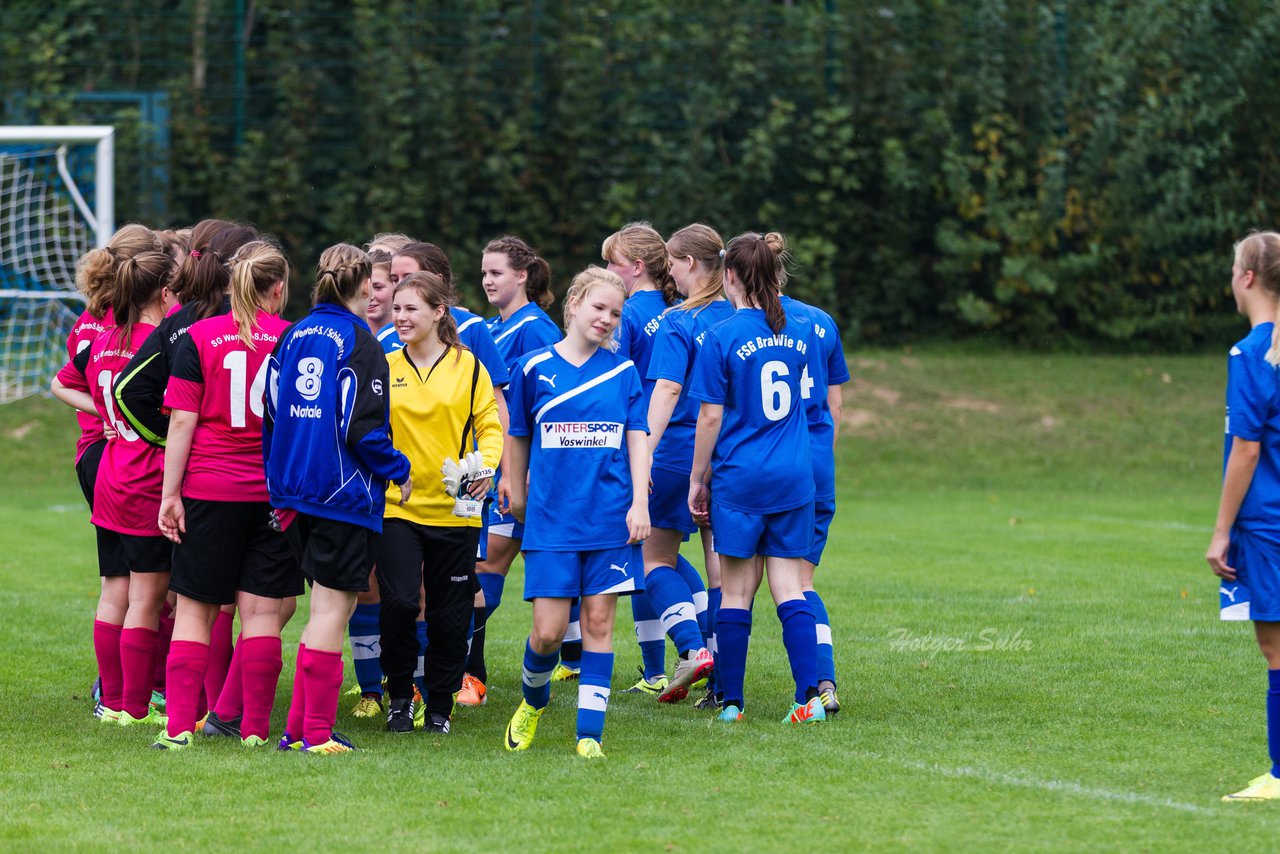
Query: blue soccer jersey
[
  {"x": 641, "y": 319},
  {"x": 474, "y": 335},
  {"x": 1253, "y": 413},
  {"x": 827, "y": 367},
  {"x": 675, "y": 349},
  {"x": 761, "y": 462},
  {"x": 527, "y": 329},
  {"x": 576, "y": 419}
]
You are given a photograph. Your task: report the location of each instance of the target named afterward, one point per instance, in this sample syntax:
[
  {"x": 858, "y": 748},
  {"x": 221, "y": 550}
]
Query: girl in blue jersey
[
  {"x": 675, "y": 599},
  {"x": 326, "y": 444},
  {"x": 820, "y": 390},
  {"x": 518, "y": 284},
  {"x": 695, "y": 264},
  {"x": 753, "y": 434},
  {"x": 1245, "y": 549},
  {"x": 578, "y": 433}
]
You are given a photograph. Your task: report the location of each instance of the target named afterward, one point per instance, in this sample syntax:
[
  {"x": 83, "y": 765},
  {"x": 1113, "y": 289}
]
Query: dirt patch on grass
[
  {"x": 22, "y": 431},
  {"x": 972, "y": 404}
]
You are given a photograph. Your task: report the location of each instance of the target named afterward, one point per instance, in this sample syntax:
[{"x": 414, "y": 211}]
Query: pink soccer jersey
[
  {"x": 216, "y": 376},
  {"x": 87, "y": 328},
  {"x": 126, "y": 497}
]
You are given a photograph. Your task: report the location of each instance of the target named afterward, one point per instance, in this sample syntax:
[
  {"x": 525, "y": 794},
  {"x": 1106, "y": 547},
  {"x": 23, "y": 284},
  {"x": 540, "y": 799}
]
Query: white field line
[{"x": 1023, "y": 781}]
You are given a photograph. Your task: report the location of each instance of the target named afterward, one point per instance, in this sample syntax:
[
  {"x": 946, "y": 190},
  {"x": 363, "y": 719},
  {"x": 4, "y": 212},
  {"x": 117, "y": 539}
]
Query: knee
[{"x": 544, "y": 640}]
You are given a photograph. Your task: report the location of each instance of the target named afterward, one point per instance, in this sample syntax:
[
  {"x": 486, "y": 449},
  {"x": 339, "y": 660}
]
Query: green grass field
[{"x": 1026, "y": 635}]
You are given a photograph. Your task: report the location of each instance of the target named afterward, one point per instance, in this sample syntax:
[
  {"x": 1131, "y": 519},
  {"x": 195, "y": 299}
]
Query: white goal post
[{"x": 46, "y": 224}]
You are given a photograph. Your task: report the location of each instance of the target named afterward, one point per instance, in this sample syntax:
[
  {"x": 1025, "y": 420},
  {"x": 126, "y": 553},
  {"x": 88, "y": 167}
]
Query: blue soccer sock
[
  {"x": 593, "y": 693},
  {"x": 697, "y": 590},
  {"x": 366, "y": 647},
  {"x": 673, "y": 603},
  {"x": 536, "y": 683},
  {"x": 650, "y": 636},
  {"x": 801, "y": 640},
  {"x": 733, "y": 635},
  {"x": 826, "y": 653},
  {"x": 491, "y": 583},
  {"x": 422, "y": 660},
  {"x": 571, "y": 648},
  {"x": 1273, "y": 720},
  {"x": 713, "y": 642}
]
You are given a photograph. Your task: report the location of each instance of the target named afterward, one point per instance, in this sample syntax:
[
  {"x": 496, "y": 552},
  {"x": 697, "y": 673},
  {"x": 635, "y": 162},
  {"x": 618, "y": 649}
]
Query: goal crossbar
[{"x": 101, "y": 219}]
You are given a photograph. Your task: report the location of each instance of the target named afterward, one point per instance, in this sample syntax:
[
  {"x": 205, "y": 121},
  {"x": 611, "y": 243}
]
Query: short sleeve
[
  {"x": 671, "y": 348},
  {"x": 837, "y": 367},
  {"x": 710, "y": 383},
  {"x": 1251, "y": 389},
  {"x": 479, "y": 340},
  {"x": 637, "y": 410},
  {"x": 72, "y": 375},
  {"x": 519, "y": 403}
]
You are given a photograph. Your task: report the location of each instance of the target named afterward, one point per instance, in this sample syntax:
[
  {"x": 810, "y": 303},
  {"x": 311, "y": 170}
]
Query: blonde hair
[
  {"x": 96, "y": 270},
  {"x": 343, "y": 268},
  {"x": 255, "y": 269},
  {"x": 639, "y": 241},
  {"x": 704, "y": 245},
  {"x": 1259, "y": 252},
  {"x": 390, "y": 242},
  {"x": 582, "y": 285}
]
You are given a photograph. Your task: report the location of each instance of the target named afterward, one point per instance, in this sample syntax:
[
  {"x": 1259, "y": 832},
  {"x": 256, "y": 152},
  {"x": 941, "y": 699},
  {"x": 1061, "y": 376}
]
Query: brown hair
[
  {"x": 393, "y": 241},
  {"x": 343, "y": 268},
  {"x": 582, "y": 285},
  {"x": 437, "y": 293},
  {"x": 96, "y": 270},
  {"x": 204, "y": 276},
  {"x": 254, "y": 271},
  {"x": 431, "y": 258},
  {"x": 379, "y": 258},
  {"x": 639, "y": 241},
  {"x": 537, "y": 283},
  {"x": 138, "y": 280},
  {"x": 704, "y": 245},
  {"x": 759, "y": 261}
]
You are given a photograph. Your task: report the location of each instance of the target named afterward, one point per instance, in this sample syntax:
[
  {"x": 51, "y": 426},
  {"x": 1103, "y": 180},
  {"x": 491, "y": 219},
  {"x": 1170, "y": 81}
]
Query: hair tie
[
  {"x": 722, "y": 251},
  {"x": 195, "y": 253}
]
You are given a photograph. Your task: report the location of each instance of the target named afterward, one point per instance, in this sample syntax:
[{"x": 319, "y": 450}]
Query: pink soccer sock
[
  {"x": 261, "y": 672},
  {"x": 231, "y": 700},
  {"x": 219, "y": 658},
  {"x": 162, "y": 649},
  {"x": 106, "y": 648},
  {"x": 298, "y": 702},
  {"x": 322, "y": 680},
  {"x": 137, "y": 647},
  {"x": 188, "y": 661}
]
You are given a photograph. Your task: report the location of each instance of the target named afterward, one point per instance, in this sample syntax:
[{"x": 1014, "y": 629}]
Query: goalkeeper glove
[{"x": 457, "y": 474}]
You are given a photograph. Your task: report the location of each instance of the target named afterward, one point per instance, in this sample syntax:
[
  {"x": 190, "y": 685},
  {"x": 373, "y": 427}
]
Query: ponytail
[
  {"x": 139, "y": 280},
  {"x": 537, "y": 283},
  {"x": 703, "y": 244},
  {"x": 96, "y": 270},
  {"x": 759, "y": 261},
  {"x": 638, "y": 241},
  {"x": 343, "y": 268},
  {"x": 254, "y": 271}
]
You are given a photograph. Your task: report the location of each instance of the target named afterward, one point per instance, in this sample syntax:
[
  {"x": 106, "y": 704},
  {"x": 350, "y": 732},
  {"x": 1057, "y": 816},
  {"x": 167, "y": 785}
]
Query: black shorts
[
  {"x": 230, "y": 546},
  {"x": 87, "y": 468},
  {"x": 120, "y": 554},
  {"x": 337, "y": 555}
]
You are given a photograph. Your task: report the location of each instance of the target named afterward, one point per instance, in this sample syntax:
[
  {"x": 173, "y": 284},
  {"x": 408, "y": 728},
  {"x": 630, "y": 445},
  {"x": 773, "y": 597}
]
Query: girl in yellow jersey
[{"x": 443, "y": 416}]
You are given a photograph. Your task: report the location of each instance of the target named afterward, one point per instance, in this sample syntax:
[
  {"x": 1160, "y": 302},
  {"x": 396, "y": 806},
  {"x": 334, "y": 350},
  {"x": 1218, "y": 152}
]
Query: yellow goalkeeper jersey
[{"x": 430, "y": 405}]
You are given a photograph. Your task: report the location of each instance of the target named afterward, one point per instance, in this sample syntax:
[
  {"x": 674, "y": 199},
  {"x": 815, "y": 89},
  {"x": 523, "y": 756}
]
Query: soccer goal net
[{"x": 56, "y": 203}]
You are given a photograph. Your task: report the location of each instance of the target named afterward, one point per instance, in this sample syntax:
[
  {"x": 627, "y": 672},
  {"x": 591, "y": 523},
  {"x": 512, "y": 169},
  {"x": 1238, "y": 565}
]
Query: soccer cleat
[
  {"x": 252, "y": 741},
  {"x": 287, "y": 742},
  {"x": 164, "y": 741},
  {"x": 698, "y": 685},
  {"x": 354, "y": 691},
  {"x": 401, "y": 715},
  {"x": 436, "y": 722},
  {"x": 589, "y": 748},
  {"x": 473, "y": 692},
  {"x": 419, "y": 709},
  {"x": 1264, "y": 788},
  {"x": 157, "y": 700},
  {"x": 368, "y": 706},
  {"x": 96, "y": 691},
  {"x": 563, "y": 673},
  {"x": 523, "y": 725},
  {"x": 708, "y": 701},
  {"x": 730, "y": 714},
  {"x": 105, "y": 715},
  {"x": 216, "y": 726},
  {"x": 830, "y": 701},
  {"x": 811, "y": 712},
  {"x": 646, "y": 686},
  {"x": 337, "y": 743},
  {"x": 151, "y": 717},
  {"x": 688, "y": 670}
]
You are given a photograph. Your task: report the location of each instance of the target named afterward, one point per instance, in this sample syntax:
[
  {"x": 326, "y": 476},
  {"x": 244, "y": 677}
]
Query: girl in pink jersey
[
  {"x": 214, "y": 503},
  {"x": 133, "y": 558}
]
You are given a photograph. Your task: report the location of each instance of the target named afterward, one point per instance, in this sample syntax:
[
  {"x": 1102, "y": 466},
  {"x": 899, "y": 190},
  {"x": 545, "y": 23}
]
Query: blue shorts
[
  {"x": 503, "y": 524},
  {"x": 1255, "y": 594},
  {"x": 824, "y": 510},
  {"x": 785, "y": 534},
  {"x": 569, "y": 575},
  {"x": 482, "y": 545},
  {"x": 669, "y": 502}
]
